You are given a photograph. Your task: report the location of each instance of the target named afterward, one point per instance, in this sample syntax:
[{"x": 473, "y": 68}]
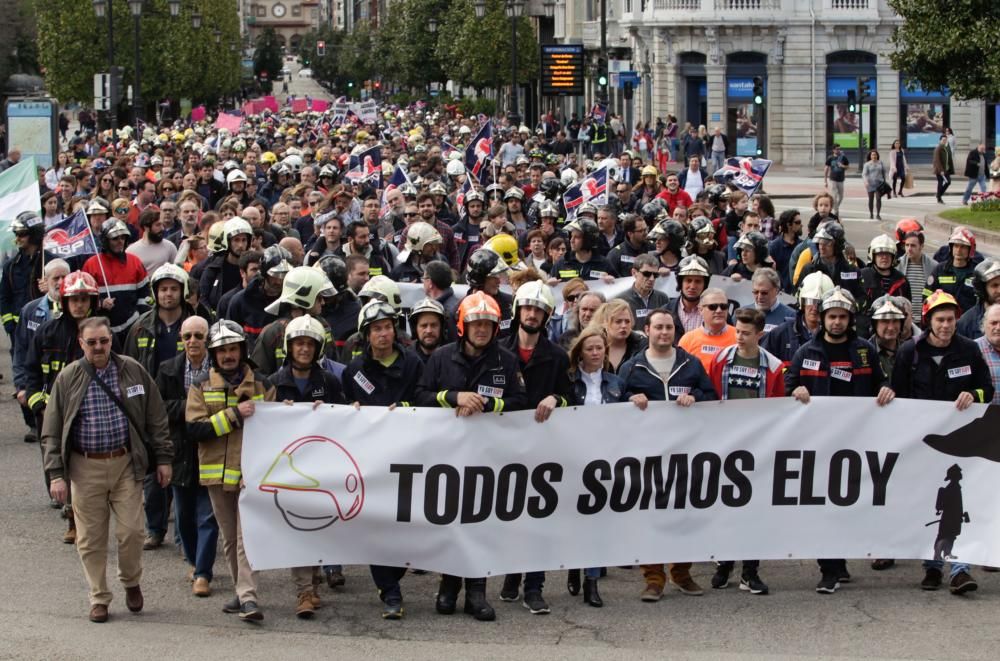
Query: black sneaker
[
  {"x": 534, "y": 602},
  {"x": 932, "y": 580},
  {"x": 962, "y": 583},
  {"x": 250, "y": 613},
  {"x": 720, "y": 581},
  {"x": 392, "y": 607},
  {"x": 231, "y": 606},
  {"x": 511, "y": 587},
  {"x": 751, "y": 583},
  {"x": 843, "y": 576},
  {"x": 828, "y": 584}
]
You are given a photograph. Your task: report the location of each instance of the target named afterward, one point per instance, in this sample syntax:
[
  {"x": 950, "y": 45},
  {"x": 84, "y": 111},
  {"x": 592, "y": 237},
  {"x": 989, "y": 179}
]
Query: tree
[
  {"x": 357, "y": 61},
  {"x": 325, "y": 67},
  {"x": 476, "y": 51},
  {"x": 19, "y": 53},
  {"x": 177, "y": 60},
  {"x": 267, "y": 58},
  {"x": 949, "y": 44}
]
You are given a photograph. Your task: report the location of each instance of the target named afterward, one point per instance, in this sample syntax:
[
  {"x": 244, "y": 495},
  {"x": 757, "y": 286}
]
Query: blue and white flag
[
  {"x": 19, "y": 192},
  {"x": 593, "y": 188},
  {"x": 70, "y": 237},
  {"x": 479, "y": 151},
  {"x": 747, "y": 174},
  {"x": 366, "y": 167},
  {"x": 599, "y": 112},
  {"x": 397, "y": 179}
]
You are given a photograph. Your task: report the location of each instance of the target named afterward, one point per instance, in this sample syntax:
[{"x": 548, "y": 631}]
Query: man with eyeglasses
[
  {"x": 622, "y": 257},
  {"x": 642, "y": 297},
  {"x": 168, "y": 214},
  {"x": 766, "y": 285},
  {"x": 193, "y": 517},
  {"x": 715, "y": 333},
  {"x": 90, "y": 439}
]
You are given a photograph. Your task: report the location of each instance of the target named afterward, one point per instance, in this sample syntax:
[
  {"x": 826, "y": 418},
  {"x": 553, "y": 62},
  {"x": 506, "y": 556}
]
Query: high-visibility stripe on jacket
[{"x": 214, "y": 421}]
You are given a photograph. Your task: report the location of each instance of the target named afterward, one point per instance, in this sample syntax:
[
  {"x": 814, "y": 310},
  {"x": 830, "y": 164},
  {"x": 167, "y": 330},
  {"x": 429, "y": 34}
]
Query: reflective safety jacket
[
  {"x": 494, "y": 375},
  {"x": 52, "y": 348},
  {"x": 216, "y": 424},
  {"x": 269, "y": 351}
]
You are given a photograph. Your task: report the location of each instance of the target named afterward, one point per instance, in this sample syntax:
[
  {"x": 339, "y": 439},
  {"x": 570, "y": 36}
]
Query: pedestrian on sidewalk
[
  {"x": 976, "y": 166},
  {"x": 833, "y": 176},
  {"x": 898, "y": 167},
  {"x": 874, "y": 175},
  {"x": 943, "y": 165}
]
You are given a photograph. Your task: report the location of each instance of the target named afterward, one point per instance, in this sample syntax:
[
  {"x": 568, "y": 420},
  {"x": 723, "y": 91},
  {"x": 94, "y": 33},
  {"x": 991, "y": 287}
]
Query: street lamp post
[
  {"x": 432, "y": 28},
  {"x": 135, "y": 6},
  {"x": 514, "y": 9},
  {"x": 102, "y": 10}
]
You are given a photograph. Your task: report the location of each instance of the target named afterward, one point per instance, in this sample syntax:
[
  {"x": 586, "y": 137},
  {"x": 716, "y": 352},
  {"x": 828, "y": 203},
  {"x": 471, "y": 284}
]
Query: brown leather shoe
[
  {"x": 133, "y": 598},
  {"x": 69, "y": 537},
  {"x": 305, "y": 609},
  {"x": 201, "y": 587},
  {"x": 99, "y": 613}
]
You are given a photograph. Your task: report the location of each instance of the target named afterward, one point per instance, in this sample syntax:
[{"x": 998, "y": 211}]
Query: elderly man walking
[{"x": 92, "y": 436}]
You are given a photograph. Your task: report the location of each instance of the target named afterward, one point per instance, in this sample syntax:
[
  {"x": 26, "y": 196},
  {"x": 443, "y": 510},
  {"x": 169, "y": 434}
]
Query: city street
[{"x": 878, "y": 615}]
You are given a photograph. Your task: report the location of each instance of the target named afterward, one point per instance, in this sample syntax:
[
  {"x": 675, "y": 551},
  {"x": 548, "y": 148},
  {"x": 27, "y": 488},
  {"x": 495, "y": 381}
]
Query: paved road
[{"x": 42, "y": 615}]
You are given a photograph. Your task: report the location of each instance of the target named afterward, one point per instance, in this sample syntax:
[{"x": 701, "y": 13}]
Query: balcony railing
[
  {"x": 746, "y": 5},
  {"x": 850, "y": 5},
  {"x": 677, "y": 5}
]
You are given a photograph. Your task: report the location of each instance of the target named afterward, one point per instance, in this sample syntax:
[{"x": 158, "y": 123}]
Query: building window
[
  {"x": 296, "y": 10},
  {"x": 261, "y": 11}
]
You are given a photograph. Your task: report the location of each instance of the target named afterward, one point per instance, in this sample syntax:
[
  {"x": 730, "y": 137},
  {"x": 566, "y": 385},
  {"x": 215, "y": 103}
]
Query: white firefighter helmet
[{"x": 306, "y": 326}]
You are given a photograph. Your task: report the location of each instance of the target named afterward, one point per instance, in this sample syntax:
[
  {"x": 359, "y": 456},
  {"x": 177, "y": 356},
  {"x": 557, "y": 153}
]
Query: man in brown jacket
[
  {"x": 943, "y": 165},
  {"x": 216, "y": 410},
  {"x": 89, "y": 439}
]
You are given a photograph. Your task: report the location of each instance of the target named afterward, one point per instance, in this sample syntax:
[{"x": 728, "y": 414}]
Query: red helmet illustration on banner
[{"x": 308, "y": 502}]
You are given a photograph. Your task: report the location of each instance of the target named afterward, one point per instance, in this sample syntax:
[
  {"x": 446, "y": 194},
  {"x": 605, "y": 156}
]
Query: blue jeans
[
  {"x": 194, "y": 519},
  {"x": 981, "y": 180},
  {"x": 157, "y": 514},
  {"x": 718, "y": 160},
  {"x": 592, "y": 572},
  {"x": 956, "y": 567}
]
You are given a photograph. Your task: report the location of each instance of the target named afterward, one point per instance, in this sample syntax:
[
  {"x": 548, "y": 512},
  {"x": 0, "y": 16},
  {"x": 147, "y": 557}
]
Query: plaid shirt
[
  {"x": 992, "y": 358},
  {"x": 100, "y": 425},
  {"x": 192, "y": 373}
]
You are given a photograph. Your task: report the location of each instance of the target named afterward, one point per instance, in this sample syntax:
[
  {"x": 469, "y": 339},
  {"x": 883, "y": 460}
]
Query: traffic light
[
  {"x": 852, "y": 101},
  {"x": 602, "y": 77},
  {"x": 350, "y": 84},
  {"x": 627, "y": 90},
  {"x": 865, "y": 89},
  {"x": 758, "y": 90},
  {"x": 321, "y": 48}
]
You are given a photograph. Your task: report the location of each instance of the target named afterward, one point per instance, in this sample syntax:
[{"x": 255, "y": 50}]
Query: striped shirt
[
  {"x": 101, "y": 426},
  {"x": 918, "y": 280},
  {"x": 992, "y": 357}
]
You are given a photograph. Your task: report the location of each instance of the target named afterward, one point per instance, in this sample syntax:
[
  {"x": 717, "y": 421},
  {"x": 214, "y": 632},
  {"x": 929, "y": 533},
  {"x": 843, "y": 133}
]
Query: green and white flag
[{"x": 18, "y": 192}]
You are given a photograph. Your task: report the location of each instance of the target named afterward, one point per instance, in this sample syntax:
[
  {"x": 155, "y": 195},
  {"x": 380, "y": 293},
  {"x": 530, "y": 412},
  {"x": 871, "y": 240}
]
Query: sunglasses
[
  {"x": 649, "y": 274},
  {"x": 188, "y": 336},
  {"x": 103, "y": 341},
  {"x": 124, "y": 188},
  {"x": 715, "y": 307},
  {"x": 168, "y": 189},
  {"x": 571, "y": 298},
  {"x": 107, "y": 180},
  {"x": 121, "y": 210},
  {"x": 410, "y": 215}
]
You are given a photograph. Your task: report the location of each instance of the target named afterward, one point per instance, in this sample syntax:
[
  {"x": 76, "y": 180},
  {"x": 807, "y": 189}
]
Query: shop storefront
[{"x": 923, "y": 116}]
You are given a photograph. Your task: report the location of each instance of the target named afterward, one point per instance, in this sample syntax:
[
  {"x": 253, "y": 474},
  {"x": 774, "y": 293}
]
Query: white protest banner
[
  {"x": 613, "y": 485},
  {"x": 740, "y": 291},
  {"x": 367, "y": 111},
  {"x": 340, "y": 109}
]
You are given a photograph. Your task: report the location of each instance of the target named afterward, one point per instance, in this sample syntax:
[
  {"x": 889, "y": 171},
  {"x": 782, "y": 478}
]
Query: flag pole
[{"x": 100, "y": 265}]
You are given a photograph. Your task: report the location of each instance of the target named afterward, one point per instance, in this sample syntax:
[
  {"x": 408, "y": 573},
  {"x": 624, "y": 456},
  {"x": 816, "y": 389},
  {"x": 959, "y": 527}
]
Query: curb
[{"x": 984, "y": 236}]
